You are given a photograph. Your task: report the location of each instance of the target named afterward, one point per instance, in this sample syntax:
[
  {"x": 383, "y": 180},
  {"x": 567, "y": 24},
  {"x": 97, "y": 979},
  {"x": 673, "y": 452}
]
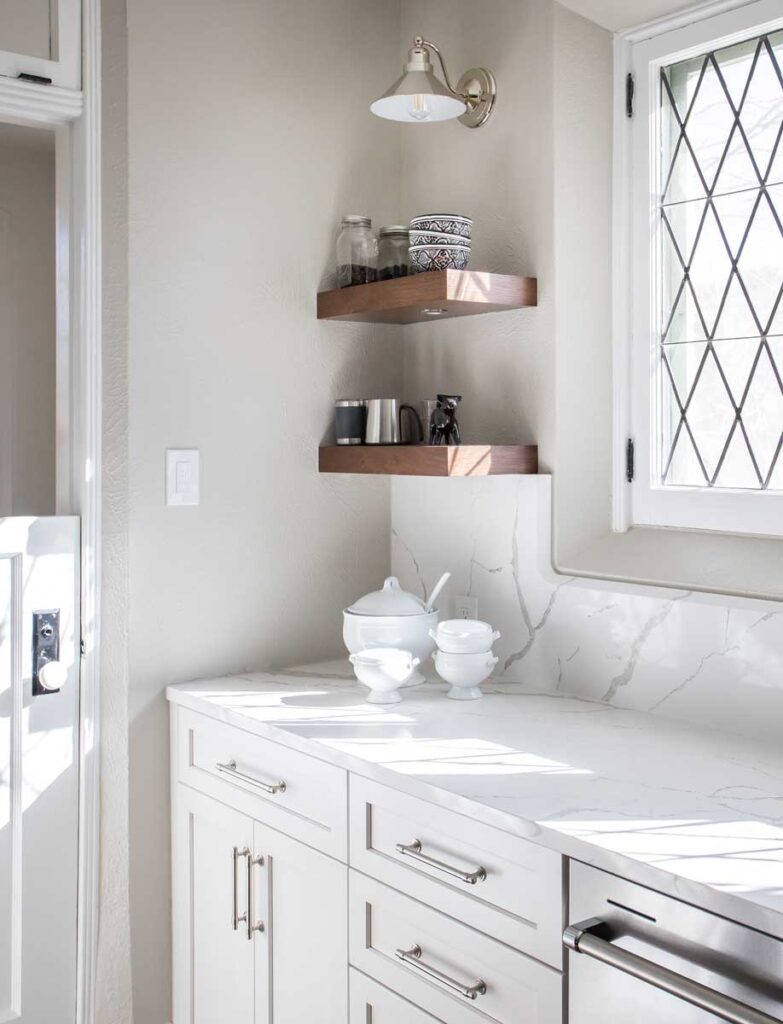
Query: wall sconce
[{"x": 419, "y": 96}]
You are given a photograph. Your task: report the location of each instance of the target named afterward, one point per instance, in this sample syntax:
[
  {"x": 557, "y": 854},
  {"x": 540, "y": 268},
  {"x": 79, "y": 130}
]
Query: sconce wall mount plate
[{"x": 479, "y": 90}]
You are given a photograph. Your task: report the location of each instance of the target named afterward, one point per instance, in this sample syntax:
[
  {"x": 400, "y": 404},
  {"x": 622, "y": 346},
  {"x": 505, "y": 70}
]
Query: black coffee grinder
[{"x": 444, "y": 428}]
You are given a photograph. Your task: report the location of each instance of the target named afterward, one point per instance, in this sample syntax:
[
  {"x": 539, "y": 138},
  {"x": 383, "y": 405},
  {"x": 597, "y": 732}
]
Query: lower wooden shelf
[{"x": 429, "y": 460}]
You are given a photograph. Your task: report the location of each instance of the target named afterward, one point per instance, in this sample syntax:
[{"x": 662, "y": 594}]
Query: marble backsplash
[{"x": 715, "y": 661}]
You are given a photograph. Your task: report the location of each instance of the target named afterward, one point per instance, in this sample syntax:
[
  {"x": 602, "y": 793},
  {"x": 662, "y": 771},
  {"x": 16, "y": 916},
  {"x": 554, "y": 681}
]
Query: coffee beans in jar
[
  {"x": 357, "y": 252},
  {"x": 393, "y": 260}
]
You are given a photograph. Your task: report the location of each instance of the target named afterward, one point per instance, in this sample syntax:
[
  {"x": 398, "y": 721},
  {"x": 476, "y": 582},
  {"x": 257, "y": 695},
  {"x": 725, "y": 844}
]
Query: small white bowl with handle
[
  {"x": 465, "y": 672},
  {"x": 464, "y": 636},
  {"x": 384, "y": 670}
]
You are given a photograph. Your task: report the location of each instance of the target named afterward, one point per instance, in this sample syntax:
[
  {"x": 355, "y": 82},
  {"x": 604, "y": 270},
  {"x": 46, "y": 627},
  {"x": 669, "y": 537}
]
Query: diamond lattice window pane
[
  {"x": 721, "y": 262},
  {"x": 760, "y": 264},
  {"x": 709, "y": 409},
  {"x": 737, "y": 470},
  {"x": 763, "y": 404}
]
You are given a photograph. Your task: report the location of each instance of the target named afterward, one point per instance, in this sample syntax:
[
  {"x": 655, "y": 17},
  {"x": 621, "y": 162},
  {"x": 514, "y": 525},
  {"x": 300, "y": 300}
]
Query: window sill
[{"x": 717, "y": 563}]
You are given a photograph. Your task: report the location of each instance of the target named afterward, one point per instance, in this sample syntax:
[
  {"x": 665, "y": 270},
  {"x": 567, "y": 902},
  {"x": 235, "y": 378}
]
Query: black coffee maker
[{"x": 444, "y": 428}]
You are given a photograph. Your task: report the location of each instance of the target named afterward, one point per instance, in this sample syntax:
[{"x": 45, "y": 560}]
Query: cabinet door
[
  {"x": 300, "y": 898},
  {"x": 42, "y": 38},
  {"x": 213, "y": 956}
]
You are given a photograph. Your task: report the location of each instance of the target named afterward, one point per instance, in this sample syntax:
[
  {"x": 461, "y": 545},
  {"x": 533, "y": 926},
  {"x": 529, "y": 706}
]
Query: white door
[
  {"x": 41, "y": 38},
  {"x": 300, "y": 899},
  {"x": 213, "y": 951},
  {"x": 39, "y": 747}
]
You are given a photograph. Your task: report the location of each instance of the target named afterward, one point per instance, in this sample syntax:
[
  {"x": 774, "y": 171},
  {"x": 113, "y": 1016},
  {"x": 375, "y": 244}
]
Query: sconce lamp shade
[{"x": 418, "y": 96}]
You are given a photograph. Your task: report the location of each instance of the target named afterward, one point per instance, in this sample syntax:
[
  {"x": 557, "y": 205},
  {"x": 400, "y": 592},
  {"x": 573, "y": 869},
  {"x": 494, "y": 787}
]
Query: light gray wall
[
  {"x": 501, "y": 175},
  {"x": 248, "y": 135},
  {"x": 27, "y": 323}
]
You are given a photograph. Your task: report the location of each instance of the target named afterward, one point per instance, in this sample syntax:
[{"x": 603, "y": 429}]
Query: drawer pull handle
[
  {"x": 230, "y": 768},
  {"x": 412, "y": 956},
  {"x": 414, "y": 850},
  {"x": 236, "y": 915}
]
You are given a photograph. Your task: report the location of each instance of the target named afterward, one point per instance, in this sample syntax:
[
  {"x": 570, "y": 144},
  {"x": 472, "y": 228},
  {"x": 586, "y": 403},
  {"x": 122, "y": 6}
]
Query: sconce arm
[{"x": 431, "y": 46}]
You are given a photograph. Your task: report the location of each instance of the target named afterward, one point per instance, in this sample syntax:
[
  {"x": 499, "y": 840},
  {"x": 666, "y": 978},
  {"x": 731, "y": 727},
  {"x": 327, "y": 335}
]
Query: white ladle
[{"x": 437, "y": 589}]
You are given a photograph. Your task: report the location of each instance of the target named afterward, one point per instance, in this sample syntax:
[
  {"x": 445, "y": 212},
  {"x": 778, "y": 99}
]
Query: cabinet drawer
[
  {"x": 371, "y": 1002},
  {"x": 493, "y": 881},
  {"x": 292, "y": 792},
  {"x": 452, "y": 964}
]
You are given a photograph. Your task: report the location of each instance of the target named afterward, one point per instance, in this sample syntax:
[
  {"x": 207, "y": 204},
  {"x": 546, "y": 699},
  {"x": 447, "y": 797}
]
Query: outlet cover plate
[{"x": 465, "y": 607}]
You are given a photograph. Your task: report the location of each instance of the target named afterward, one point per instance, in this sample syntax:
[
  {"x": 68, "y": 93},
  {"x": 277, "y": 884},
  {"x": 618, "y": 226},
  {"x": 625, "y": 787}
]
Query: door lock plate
[{"x": 46, "y": 646}]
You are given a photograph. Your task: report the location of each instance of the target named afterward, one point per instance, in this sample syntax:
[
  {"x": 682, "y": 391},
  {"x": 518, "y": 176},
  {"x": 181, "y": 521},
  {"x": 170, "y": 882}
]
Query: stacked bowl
[
  {"x": 440, "y": 241},
  {"x": 464, "y": 657}
]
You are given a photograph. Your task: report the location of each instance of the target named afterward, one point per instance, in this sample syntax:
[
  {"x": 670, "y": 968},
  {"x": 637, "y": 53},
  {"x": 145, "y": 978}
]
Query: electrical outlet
[{"x": 465, "y": 607}]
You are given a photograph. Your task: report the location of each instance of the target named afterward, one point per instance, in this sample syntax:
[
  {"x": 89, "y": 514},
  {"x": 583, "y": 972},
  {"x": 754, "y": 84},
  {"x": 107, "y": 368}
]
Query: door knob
[{"x": 53, "y": 675}]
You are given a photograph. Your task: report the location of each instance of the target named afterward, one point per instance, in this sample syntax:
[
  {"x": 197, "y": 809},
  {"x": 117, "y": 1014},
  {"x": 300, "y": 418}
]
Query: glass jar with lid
[
  {"x": 357, "y": 252},
  {"x": 393, "y": 260}
]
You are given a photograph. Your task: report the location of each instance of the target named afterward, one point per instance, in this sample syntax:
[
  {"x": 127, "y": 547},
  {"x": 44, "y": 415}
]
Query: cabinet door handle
[
  {"x": 413, "y": 850},
  {"x": 237, "y": 917},
  {"x": 230, "y": 768},
  {"x": 412, "y": 956},
  {"x": 251, "y": 899}
]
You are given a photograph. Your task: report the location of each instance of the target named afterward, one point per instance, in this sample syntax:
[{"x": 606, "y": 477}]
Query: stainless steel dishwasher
[{"x": 637, "y": 957}]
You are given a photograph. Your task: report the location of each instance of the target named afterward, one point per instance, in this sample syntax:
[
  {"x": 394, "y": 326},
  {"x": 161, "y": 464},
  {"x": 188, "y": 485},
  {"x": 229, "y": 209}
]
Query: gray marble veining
[{"x": 705, "y": 659}]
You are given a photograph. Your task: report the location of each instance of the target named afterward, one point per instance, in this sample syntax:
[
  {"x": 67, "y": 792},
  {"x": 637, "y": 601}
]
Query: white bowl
[
  {"x": 464, "y": 636},
  {"x": 407, "y": 632},
  {"x": 384, "y": 670},
  {"x": 464, "y": 672}
]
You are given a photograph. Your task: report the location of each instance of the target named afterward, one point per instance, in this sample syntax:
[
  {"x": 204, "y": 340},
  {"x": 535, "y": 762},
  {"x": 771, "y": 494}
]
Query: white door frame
[{"x": 75, "y": 117}]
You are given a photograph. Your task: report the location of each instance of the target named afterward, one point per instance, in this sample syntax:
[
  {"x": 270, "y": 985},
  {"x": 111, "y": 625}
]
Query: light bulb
[{"x": 419, "y": 108}]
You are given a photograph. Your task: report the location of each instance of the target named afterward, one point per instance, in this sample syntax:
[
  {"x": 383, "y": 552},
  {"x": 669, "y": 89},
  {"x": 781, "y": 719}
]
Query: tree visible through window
[{"x": 720, "y": 268}]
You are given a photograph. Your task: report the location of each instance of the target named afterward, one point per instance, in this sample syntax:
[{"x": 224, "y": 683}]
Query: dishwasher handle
[{"x": 586, "y": 937}]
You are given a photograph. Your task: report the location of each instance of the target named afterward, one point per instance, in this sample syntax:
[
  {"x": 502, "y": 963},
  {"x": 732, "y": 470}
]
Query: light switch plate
[{"x": 182, "y": 476}]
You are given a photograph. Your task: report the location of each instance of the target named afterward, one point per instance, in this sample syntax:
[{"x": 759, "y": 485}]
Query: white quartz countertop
[{"x": 694, "y": 813}]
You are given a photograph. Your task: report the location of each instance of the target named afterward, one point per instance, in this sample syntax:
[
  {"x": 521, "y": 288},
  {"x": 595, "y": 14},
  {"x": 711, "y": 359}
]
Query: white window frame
[
  {"x": 644, "y": 501},
  {"x": 64, "y": 64}
]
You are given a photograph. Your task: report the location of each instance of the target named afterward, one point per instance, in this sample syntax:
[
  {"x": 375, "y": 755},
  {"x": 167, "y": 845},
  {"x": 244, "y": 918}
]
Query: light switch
[{"x": 182, "y": 476}]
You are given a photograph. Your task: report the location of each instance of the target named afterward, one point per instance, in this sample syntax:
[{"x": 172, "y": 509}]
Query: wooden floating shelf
[
  {"x": 403, "y": 300},
  {"x": 429, "y": 460}
]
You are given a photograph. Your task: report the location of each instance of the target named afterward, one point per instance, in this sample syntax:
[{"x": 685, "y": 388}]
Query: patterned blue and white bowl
[
  {"x": 443, "y": 224},
  {"x": 439, "y": 257},
  {"x": 437, "y": 238}
]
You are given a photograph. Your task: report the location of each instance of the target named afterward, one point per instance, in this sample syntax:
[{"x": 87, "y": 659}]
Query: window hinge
[
  {"x": 629, "y": 460},
  {"x": 629, "y": 95},
  {"x": 82, "y": 647}
]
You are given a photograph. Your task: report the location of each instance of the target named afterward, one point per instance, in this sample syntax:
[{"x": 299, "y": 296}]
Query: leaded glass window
[{"x": 720, "y": 268}]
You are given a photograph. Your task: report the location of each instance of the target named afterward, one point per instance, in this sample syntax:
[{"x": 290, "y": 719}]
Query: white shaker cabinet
[
  {"x": 300, "y": 897},
  {"x": 42, "y": 38},
  {"x": 253, "y": 910},
  {"x": 260, "y": 931},
  {"x": 213, "y": 958}
]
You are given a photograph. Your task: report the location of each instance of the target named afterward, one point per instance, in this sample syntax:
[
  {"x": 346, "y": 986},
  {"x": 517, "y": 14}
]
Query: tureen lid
[
  {"x": 392, "y": 600},
  {"x": 464, "y": 628}
]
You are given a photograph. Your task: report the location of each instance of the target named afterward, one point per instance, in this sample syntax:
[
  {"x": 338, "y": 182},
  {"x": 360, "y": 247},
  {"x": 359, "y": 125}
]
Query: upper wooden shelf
[
  {"x": 404, "y": 300},
  {"x": 429, "y": 460}
]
